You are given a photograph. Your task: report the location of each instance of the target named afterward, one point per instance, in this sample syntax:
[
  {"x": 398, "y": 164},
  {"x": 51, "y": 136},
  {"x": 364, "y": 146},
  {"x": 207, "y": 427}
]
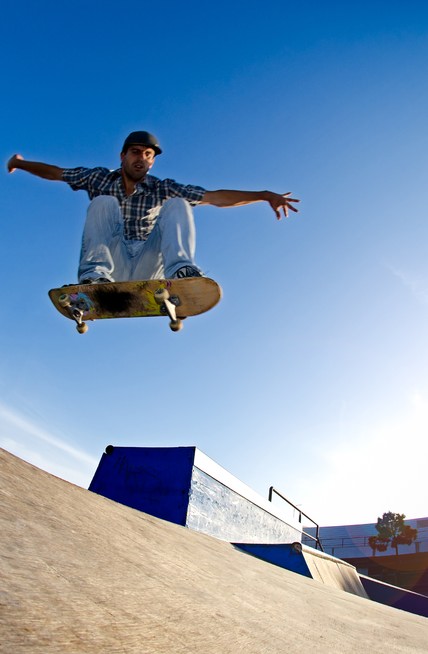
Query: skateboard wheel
[
  {"x": 82, "y": 327},
  {"x": 64, "y": 300},
  {"x": 161, "y": 295},
  {"x": 176, "y": 325}
]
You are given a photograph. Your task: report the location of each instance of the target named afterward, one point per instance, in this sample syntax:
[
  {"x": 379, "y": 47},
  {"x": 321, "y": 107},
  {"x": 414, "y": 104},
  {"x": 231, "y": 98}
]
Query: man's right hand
[{"x": 12, "y": 163}]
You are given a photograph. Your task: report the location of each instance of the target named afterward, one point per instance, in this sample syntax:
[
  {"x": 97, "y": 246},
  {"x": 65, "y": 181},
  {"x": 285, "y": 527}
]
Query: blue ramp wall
[
  {"x": 184, "y": 486},
  {"x": 154, "y": 480},
  {"x": 287, "y": 556},
  {"x": 399, "y": 598}
]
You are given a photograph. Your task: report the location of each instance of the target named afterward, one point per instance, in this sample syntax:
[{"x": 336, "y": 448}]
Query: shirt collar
[{"x": 149, "y": 180}]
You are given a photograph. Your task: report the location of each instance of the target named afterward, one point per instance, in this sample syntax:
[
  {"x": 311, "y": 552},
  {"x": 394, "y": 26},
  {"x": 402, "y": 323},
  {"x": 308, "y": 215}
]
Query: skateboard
[{"x": 173, "y": 298}]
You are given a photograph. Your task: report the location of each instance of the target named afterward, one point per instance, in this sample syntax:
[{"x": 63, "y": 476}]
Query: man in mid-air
[{"x": 139, "y": 226}]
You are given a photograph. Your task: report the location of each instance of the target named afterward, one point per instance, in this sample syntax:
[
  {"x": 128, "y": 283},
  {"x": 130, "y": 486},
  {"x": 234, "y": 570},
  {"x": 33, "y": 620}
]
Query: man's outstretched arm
[
  {"x": 229, "y": 198},
  {"x": 47, "y": 171}
]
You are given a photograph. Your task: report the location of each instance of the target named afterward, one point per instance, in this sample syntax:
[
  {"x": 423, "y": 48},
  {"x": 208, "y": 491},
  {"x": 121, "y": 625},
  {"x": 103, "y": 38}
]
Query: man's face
[{"x": 137, "y": 161}]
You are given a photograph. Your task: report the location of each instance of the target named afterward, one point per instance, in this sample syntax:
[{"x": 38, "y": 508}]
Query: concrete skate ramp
[{"x": 82, "y": 574}]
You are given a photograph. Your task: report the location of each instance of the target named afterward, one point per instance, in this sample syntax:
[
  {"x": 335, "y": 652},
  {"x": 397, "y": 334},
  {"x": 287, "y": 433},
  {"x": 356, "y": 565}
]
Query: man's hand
[
  {"x": 12, "y": 163},
  {"x": 278, "y": 202}
]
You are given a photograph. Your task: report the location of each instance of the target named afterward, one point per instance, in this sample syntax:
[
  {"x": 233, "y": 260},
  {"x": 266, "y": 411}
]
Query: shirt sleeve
[
  {"x": 81, "y": 178},
  {"x": 193, "y": 194}
]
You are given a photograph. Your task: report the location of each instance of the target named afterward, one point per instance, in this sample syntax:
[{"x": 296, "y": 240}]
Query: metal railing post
[{"x": 316, "y": 538}]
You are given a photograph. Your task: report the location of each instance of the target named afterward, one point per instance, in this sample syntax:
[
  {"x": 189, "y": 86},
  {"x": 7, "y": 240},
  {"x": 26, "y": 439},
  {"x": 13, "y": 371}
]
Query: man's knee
[
  {"x": 104, "y": 210},
  {"x": 104, "y": 217},
  {"x": 177, "y": 209},
  {"x": 105, "y": 202},
  {"x": 176, "y": 202}
]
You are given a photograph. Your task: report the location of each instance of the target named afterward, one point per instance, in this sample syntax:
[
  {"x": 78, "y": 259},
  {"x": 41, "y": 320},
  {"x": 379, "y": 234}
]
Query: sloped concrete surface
[{"x": 82, "y": 574}]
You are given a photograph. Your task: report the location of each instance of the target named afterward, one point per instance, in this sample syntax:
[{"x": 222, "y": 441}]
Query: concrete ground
[{"x": 82, "y": 574}]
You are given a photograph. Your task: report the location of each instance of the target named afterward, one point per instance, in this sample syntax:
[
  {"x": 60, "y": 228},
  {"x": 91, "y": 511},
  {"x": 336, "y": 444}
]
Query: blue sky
[{"x": 311, "y": 375}]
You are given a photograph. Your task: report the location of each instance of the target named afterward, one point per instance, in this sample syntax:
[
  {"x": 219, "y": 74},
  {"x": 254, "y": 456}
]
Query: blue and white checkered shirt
[{"x": 139, "y": 210}]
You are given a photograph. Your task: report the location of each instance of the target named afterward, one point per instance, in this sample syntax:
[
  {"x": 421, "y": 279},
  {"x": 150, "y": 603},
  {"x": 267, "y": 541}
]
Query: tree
[{"x": 391, "y": 530}]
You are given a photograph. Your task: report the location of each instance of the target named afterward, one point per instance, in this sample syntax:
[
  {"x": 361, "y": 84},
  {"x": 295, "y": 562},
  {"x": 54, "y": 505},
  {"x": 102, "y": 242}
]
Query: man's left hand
[{"x": 282, "y": 202}]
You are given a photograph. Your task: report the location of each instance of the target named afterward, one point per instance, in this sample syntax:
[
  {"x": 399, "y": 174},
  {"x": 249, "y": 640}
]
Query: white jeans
[{"x": 106, "y": 253}]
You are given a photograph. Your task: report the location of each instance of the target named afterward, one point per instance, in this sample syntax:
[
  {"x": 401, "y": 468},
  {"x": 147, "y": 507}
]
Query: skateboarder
[{"x": 138, "y": 226}]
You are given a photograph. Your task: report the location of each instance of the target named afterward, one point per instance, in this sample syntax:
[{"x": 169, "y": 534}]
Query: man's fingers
[
  {"x": 10, "y": 164},
  {"x": 290, "y": 206},
  {"x": 290, "y": 199},
  {"x": 282, "y": 204},
  {"x": 285, "y": 195},
  {"x": 286, "y": 206}
]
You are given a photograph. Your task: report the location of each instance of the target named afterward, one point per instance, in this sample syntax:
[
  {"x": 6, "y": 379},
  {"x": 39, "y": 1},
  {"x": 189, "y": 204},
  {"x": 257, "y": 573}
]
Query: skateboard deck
[{"x": 174, "y": 298}]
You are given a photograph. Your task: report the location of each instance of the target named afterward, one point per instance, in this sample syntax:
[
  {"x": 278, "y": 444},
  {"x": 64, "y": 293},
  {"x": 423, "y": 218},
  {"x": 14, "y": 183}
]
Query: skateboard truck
[
  {"x": 175, "y": 299},
  {"x": 74, "y": 312},
  {"x": 168, "y": 303}
]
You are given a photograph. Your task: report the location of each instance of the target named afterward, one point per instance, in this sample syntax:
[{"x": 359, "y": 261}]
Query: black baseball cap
[{"x": 142, "y": 138}]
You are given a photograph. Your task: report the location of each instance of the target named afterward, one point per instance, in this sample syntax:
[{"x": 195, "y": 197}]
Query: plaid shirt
[{"x": 139, "y": 210}]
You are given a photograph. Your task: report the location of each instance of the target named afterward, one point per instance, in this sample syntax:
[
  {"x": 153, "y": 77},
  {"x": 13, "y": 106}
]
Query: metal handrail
[{"x": 316, "y": 538}]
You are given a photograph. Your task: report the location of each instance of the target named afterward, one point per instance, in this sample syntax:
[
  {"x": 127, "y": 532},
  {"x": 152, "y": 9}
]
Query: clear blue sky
[{"x": 311, "y": 374}]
